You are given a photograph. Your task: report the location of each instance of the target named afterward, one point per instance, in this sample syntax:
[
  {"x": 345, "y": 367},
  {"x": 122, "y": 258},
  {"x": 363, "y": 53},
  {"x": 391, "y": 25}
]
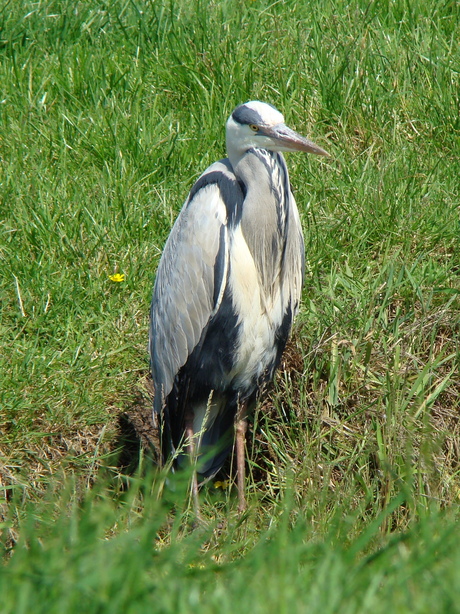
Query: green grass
[
  {"x": 108, "y": 113},
  {"x": 98, "y": 557}
]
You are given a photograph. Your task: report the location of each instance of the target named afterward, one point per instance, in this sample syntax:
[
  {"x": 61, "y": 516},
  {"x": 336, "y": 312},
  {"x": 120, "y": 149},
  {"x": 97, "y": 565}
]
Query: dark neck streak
[{"x": 265, "y": 212}]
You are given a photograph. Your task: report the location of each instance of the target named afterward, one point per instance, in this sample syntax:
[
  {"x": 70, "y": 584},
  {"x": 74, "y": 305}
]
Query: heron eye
[{"x": 254, "y": 127}]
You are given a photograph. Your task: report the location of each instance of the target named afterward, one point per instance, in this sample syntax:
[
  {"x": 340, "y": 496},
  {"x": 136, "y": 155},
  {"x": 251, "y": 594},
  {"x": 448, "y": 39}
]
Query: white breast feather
[{"x": 258, "y": 321}]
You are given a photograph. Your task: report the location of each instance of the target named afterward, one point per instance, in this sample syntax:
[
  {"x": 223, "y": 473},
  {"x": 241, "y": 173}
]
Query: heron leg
[
  {"x": 189, "y": 437},
  {"x": 241, "y": 427}
]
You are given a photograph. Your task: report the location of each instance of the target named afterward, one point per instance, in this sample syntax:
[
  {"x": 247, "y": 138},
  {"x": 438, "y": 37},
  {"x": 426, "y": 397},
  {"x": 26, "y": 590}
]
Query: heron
[{"x": 227, "y": 289}]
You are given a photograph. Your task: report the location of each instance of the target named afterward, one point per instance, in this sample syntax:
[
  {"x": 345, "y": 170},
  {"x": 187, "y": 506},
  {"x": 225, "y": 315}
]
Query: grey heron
[{"x": 227, "y": 290}]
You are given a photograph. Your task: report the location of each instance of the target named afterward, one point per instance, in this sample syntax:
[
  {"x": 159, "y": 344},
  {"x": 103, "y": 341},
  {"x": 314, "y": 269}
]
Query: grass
[
  {"x": 95, "y": 557},
  {"x": 109, "y": 112}
]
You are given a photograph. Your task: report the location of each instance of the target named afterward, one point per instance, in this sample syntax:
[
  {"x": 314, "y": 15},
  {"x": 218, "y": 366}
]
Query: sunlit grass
[
  {"x": 109, "y": 112},
  {"x": 99, "y": 555}
]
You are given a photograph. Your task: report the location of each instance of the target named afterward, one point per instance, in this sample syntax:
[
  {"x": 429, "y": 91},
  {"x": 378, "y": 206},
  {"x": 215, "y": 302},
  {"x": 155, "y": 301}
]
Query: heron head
[{"x": 260, "y": 125}]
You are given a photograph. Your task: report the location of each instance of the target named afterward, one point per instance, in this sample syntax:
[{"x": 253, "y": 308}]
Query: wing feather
[
  {"x": 185, "y": 287},
  {"x": 295, "y": 257}
]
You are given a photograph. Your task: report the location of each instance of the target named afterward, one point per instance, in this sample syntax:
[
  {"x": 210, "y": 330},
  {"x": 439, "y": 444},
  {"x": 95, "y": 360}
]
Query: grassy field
[{"x": 108, "y": 113}]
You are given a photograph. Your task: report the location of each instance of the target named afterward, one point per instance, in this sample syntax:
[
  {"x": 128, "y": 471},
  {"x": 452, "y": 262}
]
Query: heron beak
[{"x": 289, "y": 140}]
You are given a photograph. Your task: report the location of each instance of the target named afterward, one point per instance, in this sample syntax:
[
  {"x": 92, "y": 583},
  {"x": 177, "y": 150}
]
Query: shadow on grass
[{"x": 137, "y": 436}]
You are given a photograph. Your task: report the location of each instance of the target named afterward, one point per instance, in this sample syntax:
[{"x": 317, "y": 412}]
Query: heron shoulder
[{"x": 231, "y": 189}]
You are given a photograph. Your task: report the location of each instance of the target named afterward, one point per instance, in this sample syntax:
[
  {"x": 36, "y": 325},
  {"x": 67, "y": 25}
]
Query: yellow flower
[
  {"x": 117, "y": 277},
  {"x": 223, "y": 485}
]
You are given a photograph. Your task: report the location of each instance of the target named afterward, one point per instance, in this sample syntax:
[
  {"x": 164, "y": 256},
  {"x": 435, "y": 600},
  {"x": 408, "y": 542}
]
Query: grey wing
[
  {"x": 295, "y": 256},
  {"x": 190, "y": 281}
]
